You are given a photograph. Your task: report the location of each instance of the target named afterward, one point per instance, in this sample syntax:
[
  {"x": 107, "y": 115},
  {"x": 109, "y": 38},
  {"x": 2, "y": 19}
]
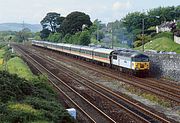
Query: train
[{"x": 123, "y": 59}]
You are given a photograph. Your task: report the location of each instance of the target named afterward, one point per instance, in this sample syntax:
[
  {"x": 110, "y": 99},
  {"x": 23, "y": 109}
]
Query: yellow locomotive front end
[{"x": 140, "y": 64}]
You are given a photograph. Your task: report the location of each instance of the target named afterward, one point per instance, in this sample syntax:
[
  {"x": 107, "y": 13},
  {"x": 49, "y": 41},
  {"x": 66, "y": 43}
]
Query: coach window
[
  {"x": 83, "y": 51},
  {"x": 96, "y": 54},
  {"x": 88, "y": 52},
  {"x": 105, "y": 55}
]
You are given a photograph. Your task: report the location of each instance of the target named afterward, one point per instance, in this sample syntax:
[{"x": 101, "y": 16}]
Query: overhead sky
[{"x": 32, "y": 11}]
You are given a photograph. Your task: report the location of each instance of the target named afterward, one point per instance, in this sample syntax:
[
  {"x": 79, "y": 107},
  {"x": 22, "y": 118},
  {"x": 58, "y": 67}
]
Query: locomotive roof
[
  {"x": 103, "y": 50},
  {"x": 128, "y": 53}
]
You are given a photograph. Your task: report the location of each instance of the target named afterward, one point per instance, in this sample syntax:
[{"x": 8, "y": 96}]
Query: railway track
[
  {"x": 146, "y": 116},
  {"x": 73, "y": 96},
  {"x": 162, "y": 89}
]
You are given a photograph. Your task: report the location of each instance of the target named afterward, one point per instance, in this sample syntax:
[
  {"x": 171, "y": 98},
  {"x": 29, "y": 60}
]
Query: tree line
[
  {"x": 75, "y": 28},
  {"x": 131, "y": 25},
  {"x": 153, "y": 17},
  {"x": 16, "y": 36},
  {"x": 57, "y": 28}
]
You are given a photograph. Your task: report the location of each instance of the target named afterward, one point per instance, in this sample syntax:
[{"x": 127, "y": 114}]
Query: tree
[
  {"x": 51, "y": 21},
  {"x": 85, "y": 38},
  {"x": 37, "y": 36},
  {"x": 44, "y": 33},
  {"x": 133, "y": 21},
  {"x": 59, "y": 22},
  {"x": 23, "y": 35},
  {"x": 56, "y": 37},
  {"x": 74, "y": 21}
]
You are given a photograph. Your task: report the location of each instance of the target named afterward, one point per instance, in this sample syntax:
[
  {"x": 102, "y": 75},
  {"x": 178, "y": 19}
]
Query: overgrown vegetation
[
  {"x": 29, "y": 98},
  {"x": 25, "y": 101}
]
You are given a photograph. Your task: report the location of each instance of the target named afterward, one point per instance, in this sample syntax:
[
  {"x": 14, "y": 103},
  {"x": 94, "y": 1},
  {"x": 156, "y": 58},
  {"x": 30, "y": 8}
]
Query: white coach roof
[
  {"x": 87, "y": 48},
  {"x": 103, "y": 50}
]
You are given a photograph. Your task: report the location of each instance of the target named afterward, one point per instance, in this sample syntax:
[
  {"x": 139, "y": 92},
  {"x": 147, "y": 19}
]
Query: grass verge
[
  {"x": 17, "y": 66},
  {"x": 162, "y": 44}
]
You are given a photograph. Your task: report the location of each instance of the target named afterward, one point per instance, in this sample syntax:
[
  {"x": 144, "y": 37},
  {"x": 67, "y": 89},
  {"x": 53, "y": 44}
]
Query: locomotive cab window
[
  {"x": 141, "y": 58},
  {"x": 114, "y": 57}
]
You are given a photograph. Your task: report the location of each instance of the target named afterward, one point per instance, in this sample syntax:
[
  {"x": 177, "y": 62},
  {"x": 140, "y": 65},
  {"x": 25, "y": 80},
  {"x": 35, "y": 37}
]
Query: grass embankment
[
  {"x": 162, "y": 44},
  {"x": 17, "y": 66},
  {"x": 26, "y": 98}
]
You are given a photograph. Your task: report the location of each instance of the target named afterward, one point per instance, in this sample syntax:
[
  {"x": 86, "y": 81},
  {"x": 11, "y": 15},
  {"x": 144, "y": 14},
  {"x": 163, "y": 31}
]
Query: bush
[
  {"x": 13, "y": 88},
  {"x": 42, "y": 88},
  {"x": 22, "y": 113},
  {"x": 23, "y": 101},
  {"x": 137, "y": 43},
  {"x": 52, "y": 110}
]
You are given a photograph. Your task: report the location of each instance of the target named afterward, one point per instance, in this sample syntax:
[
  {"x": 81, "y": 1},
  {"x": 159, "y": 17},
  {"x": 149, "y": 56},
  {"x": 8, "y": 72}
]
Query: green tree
[
  {"x": 66, "y": 38},
  {"x": 44, "y": 33},
  {"x": 133, "y": 21},
  {"x": 23, "y": 35},
  {"x": 51, "y": 21},
  {"x": 59, "y": 22},
  {"x": 85, "y": 38},
  {"x": 56, "y": 37},
  {"x": 37, "y": 36},
  {"x": 74, "y": 21},
  {"x": 139, "y": 38}
]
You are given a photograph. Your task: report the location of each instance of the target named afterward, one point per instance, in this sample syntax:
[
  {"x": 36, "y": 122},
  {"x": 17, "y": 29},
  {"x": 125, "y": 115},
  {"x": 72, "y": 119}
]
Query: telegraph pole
[
  {"x": 23, "y": 26},
  {"x": 112, "y": 37},
  {"x": 143, "y": 34}
]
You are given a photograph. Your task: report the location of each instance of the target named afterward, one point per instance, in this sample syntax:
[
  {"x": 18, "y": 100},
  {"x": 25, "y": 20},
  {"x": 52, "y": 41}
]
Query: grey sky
[{"x": 32, "y": 11}]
